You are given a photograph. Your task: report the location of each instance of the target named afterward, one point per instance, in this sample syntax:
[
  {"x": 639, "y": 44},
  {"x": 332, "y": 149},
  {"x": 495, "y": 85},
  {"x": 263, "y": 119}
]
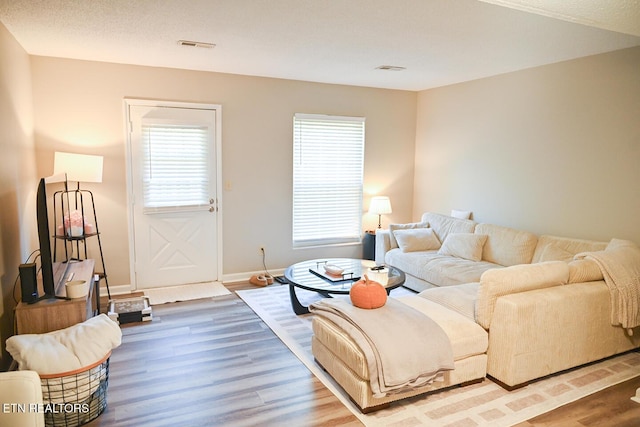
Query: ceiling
[{"x": 439, "y": 42}]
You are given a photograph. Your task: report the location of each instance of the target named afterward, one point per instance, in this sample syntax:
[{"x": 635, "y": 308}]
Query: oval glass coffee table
[{"x": 310, "y": 275}]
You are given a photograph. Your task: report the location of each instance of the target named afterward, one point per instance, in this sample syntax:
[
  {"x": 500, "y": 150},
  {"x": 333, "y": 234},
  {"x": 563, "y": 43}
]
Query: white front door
[{"x": 173, "y": 171}]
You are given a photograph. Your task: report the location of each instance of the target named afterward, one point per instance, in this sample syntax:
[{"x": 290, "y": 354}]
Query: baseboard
[
  {"x": 244, "y": 277},
  {"x": 116, "y": 290},
  {"x": 226, "y": 278}
]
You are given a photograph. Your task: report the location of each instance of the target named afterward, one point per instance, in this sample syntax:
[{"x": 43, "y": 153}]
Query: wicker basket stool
[{"x": 74, "y": 398}]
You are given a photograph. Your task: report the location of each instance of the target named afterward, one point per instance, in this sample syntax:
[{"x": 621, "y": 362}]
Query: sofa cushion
[
  {"x": 561, "y": 247},
  {"x": 584, "y": 270},
  {"x": 393, "y": 227},
  {"x": 449, "y": 271},
  {"x": 507, "y": 246},
  {"x": 416, "y": 239},
  {"x": 555, "y": 253},
  {"x": 413, "y": 263},
  {"x": 518, "y": 278},
  {"x": 440, "y": 270},
  {"x": 444, "y": 225},
  {"x": 463, "y": 245},
  {"x": 459, "y": 298},
  {"x": 466, "y": 336}
]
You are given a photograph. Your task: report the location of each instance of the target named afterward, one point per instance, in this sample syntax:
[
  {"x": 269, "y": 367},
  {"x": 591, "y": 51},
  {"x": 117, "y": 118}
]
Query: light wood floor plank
[{"x": 213, "y": 362}]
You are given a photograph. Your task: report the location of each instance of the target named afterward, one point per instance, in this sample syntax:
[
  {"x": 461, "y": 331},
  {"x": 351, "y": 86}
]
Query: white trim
[
  {"x": 335, "y": 118},
  {"x": 116, "y": 290},
  {"x": 128, "y": 102}
]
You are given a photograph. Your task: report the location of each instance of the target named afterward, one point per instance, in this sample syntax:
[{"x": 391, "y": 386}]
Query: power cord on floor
[{"x": 278, "y": 279}]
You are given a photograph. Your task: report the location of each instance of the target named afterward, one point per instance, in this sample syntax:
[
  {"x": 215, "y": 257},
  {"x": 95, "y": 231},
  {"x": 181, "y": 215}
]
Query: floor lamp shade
[{"x": 78, "y": 167}]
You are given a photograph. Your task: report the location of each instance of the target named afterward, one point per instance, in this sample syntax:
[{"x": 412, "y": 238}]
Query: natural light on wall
[{"x": 78, "y": 167}]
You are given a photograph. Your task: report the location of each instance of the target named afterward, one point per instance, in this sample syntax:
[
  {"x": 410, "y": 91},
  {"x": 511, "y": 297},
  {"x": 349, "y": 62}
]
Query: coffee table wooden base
[{"x": 297, "y": 306}]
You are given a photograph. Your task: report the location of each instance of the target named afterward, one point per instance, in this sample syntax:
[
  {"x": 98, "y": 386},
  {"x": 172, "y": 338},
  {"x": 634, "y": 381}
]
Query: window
[
  {"x": 328, "y": 158},
  {"x": 175, "y": 167}
]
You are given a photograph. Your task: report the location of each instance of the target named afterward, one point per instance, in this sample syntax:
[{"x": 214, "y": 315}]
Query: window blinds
[
  {"x": 175, "y": 172},
  {"x": 328, "y": 157}
]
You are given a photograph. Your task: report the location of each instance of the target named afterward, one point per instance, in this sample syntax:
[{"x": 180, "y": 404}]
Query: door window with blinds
[
  {"x": 175, "y": 169},
  {"x": 328, "y": 165}
]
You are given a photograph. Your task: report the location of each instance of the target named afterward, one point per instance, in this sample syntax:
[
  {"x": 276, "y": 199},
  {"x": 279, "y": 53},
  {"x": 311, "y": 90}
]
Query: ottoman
[{"x": 341, "y": 357}]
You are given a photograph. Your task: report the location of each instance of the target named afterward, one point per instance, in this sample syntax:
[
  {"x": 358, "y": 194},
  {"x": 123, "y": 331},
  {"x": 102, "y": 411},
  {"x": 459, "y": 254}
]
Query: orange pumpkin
[{"x": 368, "y": 294}]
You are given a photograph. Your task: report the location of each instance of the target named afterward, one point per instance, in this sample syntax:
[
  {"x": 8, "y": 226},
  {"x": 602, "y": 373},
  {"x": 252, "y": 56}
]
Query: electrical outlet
[{"x": 261, "y": 249}]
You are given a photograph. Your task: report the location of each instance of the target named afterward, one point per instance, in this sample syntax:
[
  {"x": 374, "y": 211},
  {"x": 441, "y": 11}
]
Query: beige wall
[
  {"x": 79, "y": 108},
  {"x": 17, "y": 176},
  {"x": 553, "y": 149}
]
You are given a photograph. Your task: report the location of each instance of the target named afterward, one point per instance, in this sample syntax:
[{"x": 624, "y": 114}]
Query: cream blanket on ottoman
[
  {"x": 403, "y": 347},
  {"x": 620, "y": 265}
]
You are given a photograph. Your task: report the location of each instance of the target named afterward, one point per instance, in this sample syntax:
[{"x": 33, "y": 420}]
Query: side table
[
  {"x": 52, "y": 314},
  {"x": 369, "y": 245}
]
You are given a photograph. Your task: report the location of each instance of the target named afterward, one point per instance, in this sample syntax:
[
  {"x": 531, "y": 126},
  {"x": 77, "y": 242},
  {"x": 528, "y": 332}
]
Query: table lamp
[{"x": 380, "y": 205}]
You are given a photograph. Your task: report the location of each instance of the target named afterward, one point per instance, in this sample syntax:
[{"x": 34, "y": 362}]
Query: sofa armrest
[
  {"x": 23, "y": 389},
  {"x": 545, "y": 331},
  {"x": 497, "y": 282},
  {"x": 383, "y": 245}
]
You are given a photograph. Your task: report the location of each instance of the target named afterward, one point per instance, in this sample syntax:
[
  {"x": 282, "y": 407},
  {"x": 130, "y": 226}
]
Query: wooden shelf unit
[{"x": 52, "y": 314}]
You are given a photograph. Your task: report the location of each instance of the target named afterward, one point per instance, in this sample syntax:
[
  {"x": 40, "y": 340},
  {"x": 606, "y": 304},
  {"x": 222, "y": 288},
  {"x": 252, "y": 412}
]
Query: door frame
[{"x": 127, "y": 102}]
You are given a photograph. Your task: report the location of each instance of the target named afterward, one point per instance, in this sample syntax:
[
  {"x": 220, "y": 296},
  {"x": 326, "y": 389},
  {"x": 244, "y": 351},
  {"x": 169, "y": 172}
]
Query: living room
[{"x": 552, "y": 149}]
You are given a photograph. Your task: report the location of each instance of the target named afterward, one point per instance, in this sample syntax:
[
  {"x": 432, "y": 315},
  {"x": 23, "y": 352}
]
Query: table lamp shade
[
  {"x": 78, "y": 167},
  {"x": 380, "y": 205}
]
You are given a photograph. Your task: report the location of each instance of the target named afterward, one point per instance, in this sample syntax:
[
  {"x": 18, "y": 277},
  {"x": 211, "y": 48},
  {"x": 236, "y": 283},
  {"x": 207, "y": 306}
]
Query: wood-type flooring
[{"x": 213, "y": 362}]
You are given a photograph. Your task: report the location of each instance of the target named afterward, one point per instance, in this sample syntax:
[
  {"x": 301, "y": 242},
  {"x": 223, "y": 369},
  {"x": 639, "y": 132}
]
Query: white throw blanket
[
  {"x": 403, "y": 347},
  {"x": 620, "y": 265},
  {"x": 67, "y": 349}
]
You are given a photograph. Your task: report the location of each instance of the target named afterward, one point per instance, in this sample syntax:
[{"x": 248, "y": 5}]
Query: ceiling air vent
[
  {"x": 390, "y": 68},
  {"x": 196, "y": 44}
]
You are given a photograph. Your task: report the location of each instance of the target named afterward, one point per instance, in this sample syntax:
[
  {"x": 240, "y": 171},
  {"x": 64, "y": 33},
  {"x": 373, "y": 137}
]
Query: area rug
[
  {"x": 475, "y": 405},
  {"x": 185, "y": 292}
]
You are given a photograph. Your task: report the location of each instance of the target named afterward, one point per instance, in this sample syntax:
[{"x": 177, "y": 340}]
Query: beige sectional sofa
[
  {"x": 467, "y": 261},
  {"x": 517, "y": 309}
]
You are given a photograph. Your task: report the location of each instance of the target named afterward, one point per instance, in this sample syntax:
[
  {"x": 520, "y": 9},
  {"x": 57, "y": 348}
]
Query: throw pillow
[
  {"x": 464, "y": 245},
  {"x": 555, "y": 253},
  {"x": 416, "y": 239},
  {"x": 411, "y": 225},
  {"x": 460, "y": 214},
  {"x": 619, "y": 243}
]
